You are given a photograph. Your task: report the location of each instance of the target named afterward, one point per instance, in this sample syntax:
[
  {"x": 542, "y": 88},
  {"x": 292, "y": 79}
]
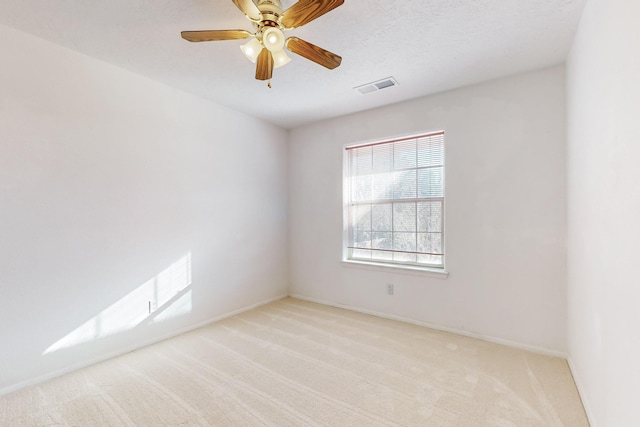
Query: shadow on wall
[{"x": 164, "y": 297}]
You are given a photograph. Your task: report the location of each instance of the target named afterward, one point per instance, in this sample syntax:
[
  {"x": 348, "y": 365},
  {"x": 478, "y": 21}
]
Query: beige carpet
[{"x": 294, "y": 363}]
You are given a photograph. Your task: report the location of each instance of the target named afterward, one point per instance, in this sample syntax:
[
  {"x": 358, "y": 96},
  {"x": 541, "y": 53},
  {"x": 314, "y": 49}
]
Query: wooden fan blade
[
  {"x": 214, "y": 35},
  {"x": 264, "y": 69},
  {"x": 305, "y": 11},
  {"x": 313, "y": 53},
  {"x": 249, "y": 8}
]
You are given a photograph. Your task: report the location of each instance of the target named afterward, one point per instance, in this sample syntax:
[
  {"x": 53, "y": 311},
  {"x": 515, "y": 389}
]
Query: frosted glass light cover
[
  {"x": 280, "y": 58},
  {"x": 273, "y": 39},
  {"x": 252, "y": 49}
]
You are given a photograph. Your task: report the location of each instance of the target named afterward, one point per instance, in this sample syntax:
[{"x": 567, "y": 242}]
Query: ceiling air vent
[{"x": 376, "y": 86}]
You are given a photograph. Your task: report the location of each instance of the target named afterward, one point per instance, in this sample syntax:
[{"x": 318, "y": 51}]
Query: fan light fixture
[
  {"x": 266, "y": 46},
  {"x": 251, "y": 49},
  {"x": 273, "y": 39},
  {"x": 280, "y": 58}
]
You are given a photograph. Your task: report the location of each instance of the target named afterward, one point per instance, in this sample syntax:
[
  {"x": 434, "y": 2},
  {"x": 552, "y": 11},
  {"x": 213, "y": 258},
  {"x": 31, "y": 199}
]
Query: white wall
[
  {"x": 106, "y": 180},
  {"x": 505, "y": 220},
  {"x": 603, "y": 80}
]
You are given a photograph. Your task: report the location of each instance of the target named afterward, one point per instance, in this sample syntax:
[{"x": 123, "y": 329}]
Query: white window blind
[{"x": 395, "y": 201}]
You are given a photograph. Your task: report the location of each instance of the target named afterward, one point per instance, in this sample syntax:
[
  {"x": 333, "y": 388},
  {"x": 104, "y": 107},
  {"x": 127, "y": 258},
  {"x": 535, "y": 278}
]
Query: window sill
[{"x": 396, "y": 268}]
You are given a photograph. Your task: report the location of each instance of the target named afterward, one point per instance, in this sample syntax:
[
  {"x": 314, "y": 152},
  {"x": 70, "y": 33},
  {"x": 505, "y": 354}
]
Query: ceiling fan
[{"x": 267, "y": 43}]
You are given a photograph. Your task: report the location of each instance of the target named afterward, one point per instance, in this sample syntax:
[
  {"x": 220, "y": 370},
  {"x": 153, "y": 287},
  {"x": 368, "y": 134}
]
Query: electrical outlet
[{"x": 390, "y": 288}]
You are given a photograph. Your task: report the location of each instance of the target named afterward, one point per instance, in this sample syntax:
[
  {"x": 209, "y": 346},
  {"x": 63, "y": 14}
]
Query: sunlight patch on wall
[
  {"x": 161, "y": 298},
  {"x": 180, "y": 306}
]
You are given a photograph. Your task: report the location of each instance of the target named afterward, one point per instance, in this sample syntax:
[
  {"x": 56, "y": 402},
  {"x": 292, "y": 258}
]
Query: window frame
[{"x": 386, "y": 265}]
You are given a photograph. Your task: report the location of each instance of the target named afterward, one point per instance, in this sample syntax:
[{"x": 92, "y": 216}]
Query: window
[{"x": 394, "y": 201}]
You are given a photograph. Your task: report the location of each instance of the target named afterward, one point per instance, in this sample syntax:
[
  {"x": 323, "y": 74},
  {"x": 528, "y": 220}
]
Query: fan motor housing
[{"x": 271, "y": 11}]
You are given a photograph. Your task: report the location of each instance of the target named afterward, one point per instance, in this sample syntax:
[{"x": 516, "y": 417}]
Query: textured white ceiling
[{"x": 428, "y": 45}]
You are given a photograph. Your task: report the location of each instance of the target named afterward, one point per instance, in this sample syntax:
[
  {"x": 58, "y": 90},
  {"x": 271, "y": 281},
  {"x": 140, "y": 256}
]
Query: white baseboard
[
  {"x": 508, "y": 343},
  {"x": 581, "y": 391},
  {"x": 46, "y": 377}
]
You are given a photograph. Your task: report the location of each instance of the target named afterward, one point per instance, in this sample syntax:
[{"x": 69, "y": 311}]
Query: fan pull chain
[{"x": 269, "y": 84}]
